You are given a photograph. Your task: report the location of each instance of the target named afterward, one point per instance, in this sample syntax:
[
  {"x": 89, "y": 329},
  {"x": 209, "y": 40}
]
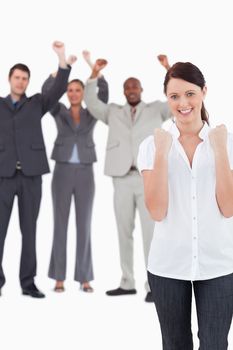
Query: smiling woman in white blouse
[{"x": 188, "y": 183}]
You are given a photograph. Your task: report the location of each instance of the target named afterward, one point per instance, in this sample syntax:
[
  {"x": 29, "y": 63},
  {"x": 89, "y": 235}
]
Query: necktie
[
  {"x": 133, "y": 112},
  {"x": 15, "y": 104}
]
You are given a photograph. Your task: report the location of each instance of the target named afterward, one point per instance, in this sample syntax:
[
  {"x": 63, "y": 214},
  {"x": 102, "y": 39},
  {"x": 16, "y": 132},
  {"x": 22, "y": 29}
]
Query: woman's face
[
  {"x": 75, "y": 93},
  {"x": 185, "y": 100}
]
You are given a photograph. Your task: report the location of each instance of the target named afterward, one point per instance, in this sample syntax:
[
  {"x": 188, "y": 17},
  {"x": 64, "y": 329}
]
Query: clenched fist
[
  {"x": 100, "y": 64},
  {"x": 218, "y": 138},
  {"x": 59, "y": 47},
  {"x": 163, "y": 141},
  {"x": 164, "y": 61},
  {"x": 71, "y": 59}
]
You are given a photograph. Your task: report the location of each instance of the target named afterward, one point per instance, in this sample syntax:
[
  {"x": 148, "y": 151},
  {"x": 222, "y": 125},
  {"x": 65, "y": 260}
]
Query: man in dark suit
[{"x": 23, "y": 160}]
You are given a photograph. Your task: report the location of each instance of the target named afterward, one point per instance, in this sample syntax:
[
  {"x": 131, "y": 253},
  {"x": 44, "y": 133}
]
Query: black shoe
[
  {"x": 149, "y": 298},
  {"x": 121, "y": 291},
  {"x": 33, "y": 291}
]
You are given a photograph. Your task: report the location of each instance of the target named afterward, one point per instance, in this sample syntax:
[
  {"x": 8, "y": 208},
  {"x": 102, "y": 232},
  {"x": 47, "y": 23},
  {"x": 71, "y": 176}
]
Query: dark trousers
[
  {"x": 214, "y": 305},
  {"x": 28, "y": 191}
]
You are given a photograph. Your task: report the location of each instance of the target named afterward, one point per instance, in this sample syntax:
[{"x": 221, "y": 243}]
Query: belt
[{"x": 18, "y": 165}]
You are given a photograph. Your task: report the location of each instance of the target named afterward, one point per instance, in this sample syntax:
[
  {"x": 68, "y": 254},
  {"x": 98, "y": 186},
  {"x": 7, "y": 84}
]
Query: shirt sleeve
[{"x": 146, "y": 154}]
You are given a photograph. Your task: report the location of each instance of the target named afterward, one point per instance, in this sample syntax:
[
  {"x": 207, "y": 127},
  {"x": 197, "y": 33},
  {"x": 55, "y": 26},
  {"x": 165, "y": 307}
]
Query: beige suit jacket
[{"x": 124, "y": 136}]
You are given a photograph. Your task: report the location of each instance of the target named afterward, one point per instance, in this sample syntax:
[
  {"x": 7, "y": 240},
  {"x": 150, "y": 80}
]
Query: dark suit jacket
[
  {"x": 69, "y": 134},
  {"x": 20, "y": 129}
]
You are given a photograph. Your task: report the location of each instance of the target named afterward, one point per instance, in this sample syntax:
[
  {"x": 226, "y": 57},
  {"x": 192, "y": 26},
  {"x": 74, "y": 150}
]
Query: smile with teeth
[{"x": 185, "y": 111}]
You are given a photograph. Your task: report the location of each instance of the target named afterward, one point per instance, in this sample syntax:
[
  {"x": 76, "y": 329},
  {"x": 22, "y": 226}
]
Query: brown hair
[
  {"x": 188, "y": 72},
  {"x": 78, "y": 81},
  {"x": 19, "y": 66}
]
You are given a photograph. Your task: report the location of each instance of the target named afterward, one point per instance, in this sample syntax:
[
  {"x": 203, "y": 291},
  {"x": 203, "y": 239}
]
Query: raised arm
[
  {"x": 87, "y": 58},
  {"x": 164, "y": 61},
  {"x": 103, "y": 92},
  {"x": 224, "y": 174},
  {"x": 162, "y": 107},
  {"x": 49, "y": 82},
  {"x": 96, "y": 107},
  {"x": 50, "y": 97},
  {"x": 156, "y": 180},
  {"x": 101, "y": 83}
]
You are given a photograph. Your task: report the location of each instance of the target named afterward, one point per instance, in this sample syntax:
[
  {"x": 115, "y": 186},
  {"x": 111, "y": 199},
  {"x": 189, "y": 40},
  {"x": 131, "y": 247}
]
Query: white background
[{"x": 129, "y": 34}]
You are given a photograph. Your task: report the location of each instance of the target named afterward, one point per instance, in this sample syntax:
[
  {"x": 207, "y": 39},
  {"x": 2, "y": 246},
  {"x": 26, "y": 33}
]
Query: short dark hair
[
  {"x": 78, "y": 81},
  {"x": 132, "y": 78},
  {"x": 20, "y": 66}
]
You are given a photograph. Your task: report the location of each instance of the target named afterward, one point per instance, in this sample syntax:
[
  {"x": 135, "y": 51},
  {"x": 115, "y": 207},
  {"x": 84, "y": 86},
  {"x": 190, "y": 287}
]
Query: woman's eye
[
  {"x": 173, "y": 97},
  {"x": 189, "y": 94}
]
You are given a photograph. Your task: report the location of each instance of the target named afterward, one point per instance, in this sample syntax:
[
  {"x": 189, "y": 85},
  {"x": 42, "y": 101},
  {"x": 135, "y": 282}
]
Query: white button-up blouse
[{"x": 194, "y": 240}]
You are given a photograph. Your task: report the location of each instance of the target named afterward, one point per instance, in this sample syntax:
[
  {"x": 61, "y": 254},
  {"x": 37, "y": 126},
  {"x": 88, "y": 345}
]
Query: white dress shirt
[{"x": 194, "y": 240}]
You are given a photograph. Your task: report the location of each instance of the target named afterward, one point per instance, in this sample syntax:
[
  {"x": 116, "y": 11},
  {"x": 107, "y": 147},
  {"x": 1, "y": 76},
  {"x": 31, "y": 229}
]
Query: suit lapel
[
  {"x": 69, "y": 119},
  {"x": 139, "y": 108},
  {"x": 21, "y": 102},
  {"x": 127, "y": 115},
  {"x": 8, "y": 101},
  {"x": 83, "y": 119}
]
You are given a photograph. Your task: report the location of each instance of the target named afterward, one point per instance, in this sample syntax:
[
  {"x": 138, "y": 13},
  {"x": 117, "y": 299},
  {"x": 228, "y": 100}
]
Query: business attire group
[
  {"x": 23, "y": 161},
  {"x": 183, "y": 192}
]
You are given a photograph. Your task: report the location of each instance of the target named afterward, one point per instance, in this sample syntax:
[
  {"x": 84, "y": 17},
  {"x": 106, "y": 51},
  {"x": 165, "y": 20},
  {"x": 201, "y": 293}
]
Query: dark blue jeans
[{"x": 214, "y": 305}]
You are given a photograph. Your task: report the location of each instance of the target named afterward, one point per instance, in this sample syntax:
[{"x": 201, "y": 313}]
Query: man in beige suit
[{"x": 128, "y": 125}]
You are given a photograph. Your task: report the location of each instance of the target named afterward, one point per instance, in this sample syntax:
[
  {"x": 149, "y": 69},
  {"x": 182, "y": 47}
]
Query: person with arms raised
[
  {"x": 73, "y": 176},
  {"x": 23, "y": 161},
  {"x": 128, "y": 126}
]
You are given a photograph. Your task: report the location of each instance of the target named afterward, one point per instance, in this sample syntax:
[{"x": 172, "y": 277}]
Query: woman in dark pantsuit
[{"x": 74, "y": 153}]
